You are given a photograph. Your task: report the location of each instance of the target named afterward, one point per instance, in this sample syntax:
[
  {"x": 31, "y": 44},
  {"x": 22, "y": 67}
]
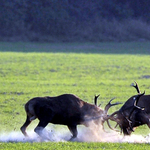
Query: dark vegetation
[{"x": 74, "y": 20}]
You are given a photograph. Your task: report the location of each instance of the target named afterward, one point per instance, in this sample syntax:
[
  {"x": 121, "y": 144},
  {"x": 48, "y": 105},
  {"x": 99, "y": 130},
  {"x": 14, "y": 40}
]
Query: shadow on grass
[{"x": 102, "y": 48}]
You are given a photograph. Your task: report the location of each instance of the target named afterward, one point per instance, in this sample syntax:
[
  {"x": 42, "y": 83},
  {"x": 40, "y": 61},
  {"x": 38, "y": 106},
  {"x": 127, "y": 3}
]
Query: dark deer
[
  {"x": 66, "y": 109},
  {"x": 134, "y": 112}
]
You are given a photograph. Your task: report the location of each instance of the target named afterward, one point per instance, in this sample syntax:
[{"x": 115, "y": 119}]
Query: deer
[
  {"x": 65, "y": 109},
  {"x": 134, "y": 112}
]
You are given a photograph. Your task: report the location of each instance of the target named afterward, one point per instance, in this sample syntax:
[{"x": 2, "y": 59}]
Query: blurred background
[{"x": 74, "y": 20}]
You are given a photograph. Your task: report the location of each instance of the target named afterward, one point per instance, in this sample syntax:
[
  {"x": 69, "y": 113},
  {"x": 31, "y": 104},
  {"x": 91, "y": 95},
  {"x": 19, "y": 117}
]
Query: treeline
[{"x": 74, "y": 20}]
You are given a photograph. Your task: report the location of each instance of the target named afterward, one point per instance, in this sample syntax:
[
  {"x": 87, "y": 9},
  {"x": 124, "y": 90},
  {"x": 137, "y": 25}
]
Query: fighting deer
[
  {"x": 66, "y": 109},
  {"x": 135, "y": 112}
]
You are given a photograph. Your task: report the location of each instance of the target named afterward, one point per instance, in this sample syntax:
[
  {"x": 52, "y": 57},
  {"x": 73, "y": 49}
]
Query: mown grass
[{"x": 25, "y": 74}]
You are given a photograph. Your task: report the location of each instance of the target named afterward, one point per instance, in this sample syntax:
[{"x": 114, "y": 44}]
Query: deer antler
[
  {"x": 95, "y": 99},
  {"x": 109, "y": 105},
  {"x": 136, "y": 87},
  {"x": 136, "y": 99}
]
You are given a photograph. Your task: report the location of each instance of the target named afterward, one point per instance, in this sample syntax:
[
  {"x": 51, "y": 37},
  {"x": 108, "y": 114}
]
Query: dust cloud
[{"x": 94, "y": 133}]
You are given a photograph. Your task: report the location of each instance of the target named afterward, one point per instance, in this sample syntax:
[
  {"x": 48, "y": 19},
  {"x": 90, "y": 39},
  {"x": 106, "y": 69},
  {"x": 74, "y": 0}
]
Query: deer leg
[
  {"x": 23, "y": 128},
  {"x": 40, "y": 127},
  {"x": 73, "y": 130}
]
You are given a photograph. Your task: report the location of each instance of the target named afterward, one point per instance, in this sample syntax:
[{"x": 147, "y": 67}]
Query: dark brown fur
[
  {"x": 138, "y": 116},
  {"x": 66, "y": 109},
  {"x": 130, "y": 116}
]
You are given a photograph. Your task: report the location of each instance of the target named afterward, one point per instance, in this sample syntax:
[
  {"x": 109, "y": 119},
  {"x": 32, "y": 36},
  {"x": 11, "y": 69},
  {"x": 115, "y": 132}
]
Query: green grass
[
  {"x": 74, "y": 145},
  {"x": 29, "y": 69}
]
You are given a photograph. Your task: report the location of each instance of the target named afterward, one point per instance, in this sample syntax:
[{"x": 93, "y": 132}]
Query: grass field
[{"x": 28, "y": 70}]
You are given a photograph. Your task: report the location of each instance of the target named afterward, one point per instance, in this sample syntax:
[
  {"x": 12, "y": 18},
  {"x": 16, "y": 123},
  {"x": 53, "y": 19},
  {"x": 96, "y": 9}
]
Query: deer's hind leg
[
  {"x": 27, "y": 122},
  {"x": 23, "y": 128}
]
